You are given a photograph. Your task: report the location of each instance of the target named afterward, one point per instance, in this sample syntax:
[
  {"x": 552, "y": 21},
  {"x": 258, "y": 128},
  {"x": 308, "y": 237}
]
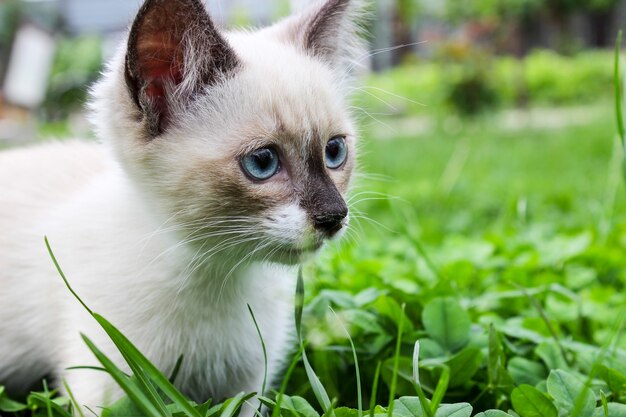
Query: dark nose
[
  {"x": 330, "y": 223},
  {"x": 323, "y": 202}
]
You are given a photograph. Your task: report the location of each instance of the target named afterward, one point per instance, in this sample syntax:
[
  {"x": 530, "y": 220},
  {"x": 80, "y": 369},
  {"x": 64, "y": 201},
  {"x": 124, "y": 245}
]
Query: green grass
[
  {"x": 502, "y": 252},
  {"x": 525, "y": 231},
  {"x": 468, "y": 181}
]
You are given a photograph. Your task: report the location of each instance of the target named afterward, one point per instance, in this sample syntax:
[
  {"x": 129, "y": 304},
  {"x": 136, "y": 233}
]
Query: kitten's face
[
  {"x": 268, "y": 159},
  {"x": 255, "y": 163}
]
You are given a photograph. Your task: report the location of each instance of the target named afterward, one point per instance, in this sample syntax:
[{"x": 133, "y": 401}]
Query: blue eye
[
  {"x": 336, "y": 152},
  {"x": 261, "y": 164}
]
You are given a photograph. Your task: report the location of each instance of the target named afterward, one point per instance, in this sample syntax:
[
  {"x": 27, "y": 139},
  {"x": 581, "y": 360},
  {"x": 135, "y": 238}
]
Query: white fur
[
  {"x": 113, "y": 215},
  {"x": 287, "y": 224},
  {"x": 101, "y": 236}
]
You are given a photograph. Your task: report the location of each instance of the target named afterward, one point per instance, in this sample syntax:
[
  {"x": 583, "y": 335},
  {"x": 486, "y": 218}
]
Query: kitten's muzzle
[{"x": 324, "y": 204}]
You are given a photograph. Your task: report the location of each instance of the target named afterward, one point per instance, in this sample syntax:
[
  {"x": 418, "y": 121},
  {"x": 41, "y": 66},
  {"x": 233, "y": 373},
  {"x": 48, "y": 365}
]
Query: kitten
[{"x": 226, "y": 159}]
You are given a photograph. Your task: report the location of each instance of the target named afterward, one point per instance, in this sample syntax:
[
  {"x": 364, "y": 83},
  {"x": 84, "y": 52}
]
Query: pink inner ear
[{"x": 160, "y": 63}]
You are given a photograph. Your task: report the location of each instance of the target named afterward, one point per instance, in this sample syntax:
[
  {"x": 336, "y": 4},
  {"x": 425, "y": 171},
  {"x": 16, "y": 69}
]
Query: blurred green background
[
  {"x": 454, "y": 57},
  {"x": 491, "y": 173}
]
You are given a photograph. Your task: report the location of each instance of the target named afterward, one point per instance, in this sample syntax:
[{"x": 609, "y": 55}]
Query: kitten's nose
[{"x": 330, "y": 223}]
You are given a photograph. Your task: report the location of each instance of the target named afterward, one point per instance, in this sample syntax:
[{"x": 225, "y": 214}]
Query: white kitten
[{"x": 226, "y": 159}]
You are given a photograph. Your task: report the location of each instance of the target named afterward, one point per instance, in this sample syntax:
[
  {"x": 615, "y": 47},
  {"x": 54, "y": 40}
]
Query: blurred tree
[
  {"x": 396, "y": 24},
  {"x": 529, "y": 22},
  {"x": 598, "y": 13},
  {"x": 490, "y": 9},
  {"x": 77, "y": 64},
  {"x": 406, "y": 24},
  {"x": 10, "y": 12},
  {"x": 468, "y": 86},
  {"x": 601, "y": 4},
  {"x": 383, "y": 34},
  {"x": 499, "y": 23},
  {"x": 601, "y": 17},
  {"x": 560, "y": 13}
]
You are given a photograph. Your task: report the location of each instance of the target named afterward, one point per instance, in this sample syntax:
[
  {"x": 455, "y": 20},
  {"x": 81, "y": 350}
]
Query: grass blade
[
  {"x": 128, "y": 385},
  {"x": 396, "y": 364},
  {"x": 179, "y": 363},
  {"x": 544, "y": 317},
  {"x": 424, "y": 403},
  {"x": 143, "y": 369},
  {"x": 232, "y": 405},
  {"x": 258, "y": 330},
  {"x": 283, "y": 387},
  {"x": 617, "y": 82},
  {"x": 359, "y": 395},
  {"x": 90, "y": 368},
  {"x": 299, "y": 304},
  {"x": 144, "y": 382},
  {"x": 427, "y": 409},
  {"x": 50, "y": 405},
  {"x": 416, "y": 363},
  {"x": 375, "y": 389},
  {"x": 616, "y": 330},
  {"x": 316, "y": 385},
  {"x": 48, "y": 401},
  {"x": 60, "y": 271},
  {"x": 126, "y": 347},
  {"x": 77, "y": 407},
  {"x": 440, "y": 390},
  {"x": 605, "y": 405}
]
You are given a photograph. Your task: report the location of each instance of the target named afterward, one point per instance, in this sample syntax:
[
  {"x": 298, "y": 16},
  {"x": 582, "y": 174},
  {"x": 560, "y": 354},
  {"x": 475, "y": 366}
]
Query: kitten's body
[
  {"x": 172, "y": 242},
  {"x": 99, "y": 254}
]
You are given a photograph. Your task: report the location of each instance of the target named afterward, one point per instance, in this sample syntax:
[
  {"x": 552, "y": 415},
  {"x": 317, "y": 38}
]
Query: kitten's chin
[
  {"x": 289, "y": 254},
  {"x": 292, "y": 255}
]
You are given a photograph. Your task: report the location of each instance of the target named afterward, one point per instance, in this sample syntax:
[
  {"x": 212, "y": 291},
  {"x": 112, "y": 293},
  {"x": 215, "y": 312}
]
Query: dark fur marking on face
[
  {"x": 320, "y": 197},
  {"x": 239, "y": 199},
  {"x": 232, "y": 194},
  {"x": 162, "y": 37}
]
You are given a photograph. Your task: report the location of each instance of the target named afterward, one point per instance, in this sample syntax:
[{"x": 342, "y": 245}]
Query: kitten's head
[{"x": 243, "y": 139}]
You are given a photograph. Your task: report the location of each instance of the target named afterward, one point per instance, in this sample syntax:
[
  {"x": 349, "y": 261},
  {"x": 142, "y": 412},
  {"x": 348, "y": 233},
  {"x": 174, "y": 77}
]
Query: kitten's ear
[
  {"x": 332, "y": 31},
  {"x": 174, "y": 50}
]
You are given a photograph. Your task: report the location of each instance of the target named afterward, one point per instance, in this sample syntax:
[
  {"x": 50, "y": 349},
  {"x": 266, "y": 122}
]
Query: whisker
[
  {"x": 386, "y": 103},
  {"x": 374, "y": 222},
  {"x": 375, "y": 119},
  {"x": 375, "y": 52},
  {"x": 204, "y": 257},
  {"x": 242, "y": 260},
  {"x": 372, "y": 177},
  {"x": 382, "y": 90}
]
